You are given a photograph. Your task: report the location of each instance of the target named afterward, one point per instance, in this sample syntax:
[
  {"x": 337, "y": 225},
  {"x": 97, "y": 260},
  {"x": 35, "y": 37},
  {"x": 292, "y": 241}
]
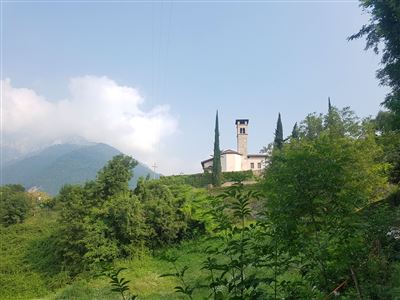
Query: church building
[{"x": 238, "y": 160}]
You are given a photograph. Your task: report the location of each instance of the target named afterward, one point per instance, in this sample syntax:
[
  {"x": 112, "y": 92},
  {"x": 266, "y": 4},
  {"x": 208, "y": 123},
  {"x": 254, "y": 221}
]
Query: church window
[
  {"x": 252, "y": 165},
  {"x": 242, "y": 130}
]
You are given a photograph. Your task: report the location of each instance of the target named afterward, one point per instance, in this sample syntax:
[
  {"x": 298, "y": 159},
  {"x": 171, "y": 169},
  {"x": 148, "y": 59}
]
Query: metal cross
[{"x": 154, "y": 169}]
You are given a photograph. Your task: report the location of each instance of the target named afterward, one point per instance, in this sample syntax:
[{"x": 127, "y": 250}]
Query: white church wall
[
  {"x": 254, "y": 163},
  {"x": 231, "y": 162}
]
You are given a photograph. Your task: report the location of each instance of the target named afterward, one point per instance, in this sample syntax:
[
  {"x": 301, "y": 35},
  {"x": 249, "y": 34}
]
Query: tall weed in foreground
[
  {"x": 118, "y": 284},
  {"x": 231, "y": 260},
  {"x": 184, "y": 288}
]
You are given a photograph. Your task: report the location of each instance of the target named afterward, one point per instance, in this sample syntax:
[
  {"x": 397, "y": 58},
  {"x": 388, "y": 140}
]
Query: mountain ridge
[{"x": 62, "y": 164}]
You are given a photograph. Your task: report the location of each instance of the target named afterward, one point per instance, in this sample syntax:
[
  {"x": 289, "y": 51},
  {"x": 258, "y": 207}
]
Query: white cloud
[{"x": 97, "y": 109}]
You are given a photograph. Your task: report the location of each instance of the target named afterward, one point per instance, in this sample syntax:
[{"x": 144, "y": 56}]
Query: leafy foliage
[
  {"x": 14, "y": 204},
  {"x": 102, "y": 220},
  {"x": 383, "y": 30},
  {"x": 315, "y": 187},
  {"x": 389, "y": 140},
  {"x": 231, "y": 264},
  {"x": 184, "y": 288},
  {"x": 164, "y": 214},
  {"x": 202, "y": 180},
  {"x": 119, "y": 285},
  {"x": 29, "y": 268}
]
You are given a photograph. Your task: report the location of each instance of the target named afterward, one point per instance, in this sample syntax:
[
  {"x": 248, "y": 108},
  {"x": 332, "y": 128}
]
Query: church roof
[
  {"x": 230, "y": 151},
  {"x": 207, "y": 160},
  {"x": 257, "y": 155},
  {"x": 242, "y": 121},
  {"x": 227, "y": 151}
]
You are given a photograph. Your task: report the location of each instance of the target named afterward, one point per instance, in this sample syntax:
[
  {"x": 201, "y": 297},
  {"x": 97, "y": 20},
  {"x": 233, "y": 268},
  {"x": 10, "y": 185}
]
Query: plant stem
[{"x": 354, "y": 276}]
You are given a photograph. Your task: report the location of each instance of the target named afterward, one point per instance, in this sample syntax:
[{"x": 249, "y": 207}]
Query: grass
[
  {"x": 26, "y": 273},
  {"x": 20, "y": 274},
  {"x": 144, "y": 275}
]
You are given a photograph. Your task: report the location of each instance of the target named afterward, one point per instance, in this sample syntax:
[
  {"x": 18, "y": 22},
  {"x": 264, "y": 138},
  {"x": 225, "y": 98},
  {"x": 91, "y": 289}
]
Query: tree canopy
[{"x": 383, "y": 31}]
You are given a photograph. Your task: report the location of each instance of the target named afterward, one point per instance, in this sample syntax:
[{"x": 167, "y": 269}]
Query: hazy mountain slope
[{"x": 57, "y": 165}]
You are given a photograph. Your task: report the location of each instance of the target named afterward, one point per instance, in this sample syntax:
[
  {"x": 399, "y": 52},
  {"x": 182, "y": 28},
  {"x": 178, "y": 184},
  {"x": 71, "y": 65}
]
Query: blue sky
[{"x": 248, "y": 60}]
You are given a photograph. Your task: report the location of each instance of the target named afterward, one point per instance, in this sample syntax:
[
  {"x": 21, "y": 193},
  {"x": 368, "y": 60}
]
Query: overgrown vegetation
[
  {"x": 323, "y": 221},
  {"x": 14, "y": 204},
  {"x": 382, "y": 33},
  {"x": 104, "y": 220},
  {"x": 203, "y": 180}
]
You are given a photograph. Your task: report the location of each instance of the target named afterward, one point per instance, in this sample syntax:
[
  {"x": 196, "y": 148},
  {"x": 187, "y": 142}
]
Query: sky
[{"x": 148, "y": 77}]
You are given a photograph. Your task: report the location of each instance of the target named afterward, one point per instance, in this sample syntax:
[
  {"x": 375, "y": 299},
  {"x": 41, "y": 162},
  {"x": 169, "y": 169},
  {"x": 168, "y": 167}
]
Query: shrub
[{"x": 14, "y": 204}]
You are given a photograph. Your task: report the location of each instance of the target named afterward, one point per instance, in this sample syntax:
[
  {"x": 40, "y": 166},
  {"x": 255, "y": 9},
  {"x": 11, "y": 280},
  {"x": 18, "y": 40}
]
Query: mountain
[{"x": 60, "y": 164}]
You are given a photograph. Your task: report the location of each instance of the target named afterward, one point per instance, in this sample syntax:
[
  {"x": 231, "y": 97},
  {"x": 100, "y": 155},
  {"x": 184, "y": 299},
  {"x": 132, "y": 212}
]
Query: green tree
[
  {"x": 389, "y": 139},
  {"x": 278, "y": 141},
  {"x": 14, "y": 204},
  {"x": 383, "y": 31},
  {"x": 102, "y": 219},
  {"x": 314, "y": 190},
  {"x": 216, "y": 170},
  {"x": 295, "y": 131},
  {"x": 114, "y": 177},
  {"x": 337, "y": 122},
  {"x": 161, "y": 213},
  {"x": 385, "y": 121},
  {"x": 331, "y": 116},
  {"x": 169, "y": 212}
]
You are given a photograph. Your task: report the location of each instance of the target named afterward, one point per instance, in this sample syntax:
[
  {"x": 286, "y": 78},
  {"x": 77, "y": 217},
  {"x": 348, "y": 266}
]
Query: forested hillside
[{"x": 51, "y": 168}]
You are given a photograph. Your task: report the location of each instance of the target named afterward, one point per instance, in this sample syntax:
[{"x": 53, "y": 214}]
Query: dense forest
[{"x": 321, "y": 222}]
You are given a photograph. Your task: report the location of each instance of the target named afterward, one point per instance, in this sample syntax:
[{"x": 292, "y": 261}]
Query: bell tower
[{"x": 241, "y": 135}]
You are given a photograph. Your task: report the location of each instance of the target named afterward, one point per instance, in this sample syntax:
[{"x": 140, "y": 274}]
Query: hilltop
[{"x": 57, "y": 165}]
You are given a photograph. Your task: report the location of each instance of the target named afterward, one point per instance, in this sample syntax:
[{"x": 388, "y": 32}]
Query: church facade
[{"x": 239, "y": 160}]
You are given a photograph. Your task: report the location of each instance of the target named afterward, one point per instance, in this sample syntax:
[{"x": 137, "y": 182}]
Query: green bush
[
  {"x": 202, "y": 180},
  {"x": 101, "y": 220},
  {"x": 14, "y": 204},
  {"x": 168, "y": 212},
  {"x": 104, "y": 220}
]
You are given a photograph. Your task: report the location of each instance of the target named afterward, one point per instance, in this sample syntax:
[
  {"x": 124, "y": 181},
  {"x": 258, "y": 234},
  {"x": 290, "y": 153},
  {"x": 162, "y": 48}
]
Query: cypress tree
[
  {"x": 331, "y": 118},
  {"x": 295, "y": 131},
  {"x": 278, "y": 142},
  {"x": 216, "y": 170}
]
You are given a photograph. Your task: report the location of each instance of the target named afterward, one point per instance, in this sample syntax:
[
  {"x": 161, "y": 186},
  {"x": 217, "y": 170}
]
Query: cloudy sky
[{"x": 147, "y": 77}]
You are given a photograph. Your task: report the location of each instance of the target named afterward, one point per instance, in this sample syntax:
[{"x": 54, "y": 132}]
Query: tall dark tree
[
  {"x": 216, "y": 171},
  {"x": 295, "y": 131},
  {"x": 330, "y": 116},
  {"x": 383, "y": 31},
  {"x": 278, "y": 142}
]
